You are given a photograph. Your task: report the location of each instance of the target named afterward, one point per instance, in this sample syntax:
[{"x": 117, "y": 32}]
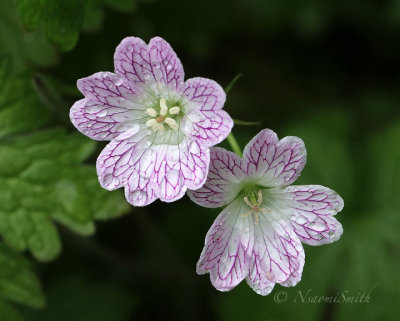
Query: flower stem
[
  {"x": 246, "y": 123},
  {"x": 234, "y": 144},
  {"x": 233, "y": 81}
]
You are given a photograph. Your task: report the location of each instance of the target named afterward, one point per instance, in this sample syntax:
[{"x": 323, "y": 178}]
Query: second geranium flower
[{"x": 160, "y": 126}]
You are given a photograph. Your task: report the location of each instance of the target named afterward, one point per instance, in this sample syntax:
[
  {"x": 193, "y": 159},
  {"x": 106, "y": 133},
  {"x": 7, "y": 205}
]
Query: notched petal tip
[
  {"x": 274, "y": 162},
  {"x": 139, "y": 197},
  {"x": 264, "y": 291}
]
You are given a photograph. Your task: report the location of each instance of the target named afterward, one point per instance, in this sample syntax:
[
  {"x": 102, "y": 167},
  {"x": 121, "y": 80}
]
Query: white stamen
[
  {"x": 174, "y": 110},
  {"x": 151, "y": 112},
  {"x": 172, "y": 123},
  {"x": 246, "y": 200},
  {"x": 163, "y": 106},
  {"x": 259, "y": 201},
  {"x": 247, "y": 213},
  {"x": 151, "y": 122},
  {"x": 158, "y": 126}
]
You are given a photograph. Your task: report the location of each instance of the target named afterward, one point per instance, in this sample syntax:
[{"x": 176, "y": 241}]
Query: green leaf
[
  {"x": 8, "y": 313},
  {"x": 17, "y": 284},
  {"x": 20, "y": 107},
  {"x": 24, "y": 47},
  {"x": 46, "y": 182},
  {"x": 42, "y": 178},
  {"x": 62, "y": 20}
]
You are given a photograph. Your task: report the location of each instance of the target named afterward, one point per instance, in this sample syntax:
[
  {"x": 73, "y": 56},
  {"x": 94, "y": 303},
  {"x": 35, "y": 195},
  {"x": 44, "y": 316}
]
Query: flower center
[
  {"x": 254, "y": 201},
  {"x": 165, "y": 117}
]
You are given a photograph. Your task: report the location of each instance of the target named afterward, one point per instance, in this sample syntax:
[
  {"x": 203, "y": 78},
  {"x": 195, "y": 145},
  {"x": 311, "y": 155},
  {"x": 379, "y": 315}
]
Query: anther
[
  {"x": 163, "y": 107},
  {"x": 174, "y": 110},
  {"x": 158, "y": 126},
  {"x": 259, "y": 201},
  {"x": 247, "y": 213},
  {"x": 151, "y": 112},
  {"x": 172, "y": 123},
  {"x": 151, "y": 122}
]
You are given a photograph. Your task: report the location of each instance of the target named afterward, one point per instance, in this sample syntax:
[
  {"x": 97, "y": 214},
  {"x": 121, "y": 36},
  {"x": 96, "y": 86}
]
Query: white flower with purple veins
[
  {"x": 160, "y": 126},
  {"x": 258, "y": 235}
]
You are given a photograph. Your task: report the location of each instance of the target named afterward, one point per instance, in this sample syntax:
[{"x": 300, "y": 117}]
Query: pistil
[{"x": 255, "y": 205}]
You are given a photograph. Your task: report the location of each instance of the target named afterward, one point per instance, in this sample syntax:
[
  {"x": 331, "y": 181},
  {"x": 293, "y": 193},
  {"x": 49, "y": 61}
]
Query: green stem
[
  {"x": 234, "y": 144},
  {"x": 246, "y": 123}
]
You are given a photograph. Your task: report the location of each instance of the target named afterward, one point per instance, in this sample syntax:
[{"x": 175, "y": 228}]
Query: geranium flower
[
  {"x": 258, "y": 235},
  {"x": 160, "y": 126}
]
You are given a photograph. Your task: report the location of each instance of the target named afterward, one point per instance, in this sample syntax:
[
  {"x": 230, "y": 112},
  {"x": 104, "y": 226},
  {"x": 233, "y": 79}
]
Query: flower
[
  {"x": 258, "y": 235},
  {"x": 160, "y": 126}
]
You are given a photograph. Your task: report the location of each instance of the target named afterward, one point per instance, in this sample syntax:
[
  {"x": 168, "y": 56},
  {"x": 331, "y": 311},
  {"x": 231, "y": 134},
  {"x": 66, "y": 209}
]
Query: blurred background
[{"x": 326, "y": 71}]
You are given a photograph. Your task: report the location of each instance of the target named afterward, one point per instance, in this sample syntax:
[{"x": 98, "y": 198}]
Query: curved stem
[
  {"x": 234, "y": 144},
  {"x": 246, "y": 123}
]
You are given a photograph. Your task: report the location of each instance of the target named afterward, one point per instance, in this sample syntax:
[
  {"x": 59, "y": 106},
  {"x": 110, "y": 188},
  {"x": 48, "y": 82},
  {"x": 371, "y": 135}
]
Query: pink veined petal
[
  {"x": 107, "y": 108},
  {"x": 223, "y": 181},
  {"x": 274, "y": 162},
  {"x": 208, "y": 127},
  {"x": 139, "y": 191},
  {"x": 227, "y": 244},
  {"x": 206, "y": 122},
  {"x": 126, "y": 161},
  {"x": 194, "y": 163},
  {"x": 311, "y": 209},
  {"x": 178, "y": 168},
  {"x": 277, "y": 255},
  {"x": 204, "y": 94},
  {"x": 155, "y": 62}
]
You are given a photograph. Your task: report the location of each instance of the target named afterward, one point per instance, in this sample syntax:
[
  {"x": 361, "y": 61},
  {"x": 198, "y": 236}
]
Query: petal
[
  {"x": 127, "y": 161},
  {"x": 139, "y": 191},
  {"x": 223, "y": 181},
  {"x": 227, "y": 244},
  {"x": 277, "y": 255},
  {"x": 194, "y": 164},
  {"x": 204, "y": 94},
  {"x": 155, "y": 62},
  {"x": 179, "y": 167},
  {"x": 311, "y": 209},
  {"x": 208, "y": 127},
  {"x": 206, "y": 122},
  {"x": 274, "y": 162},
  {"x": 108, "y": 108}
]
